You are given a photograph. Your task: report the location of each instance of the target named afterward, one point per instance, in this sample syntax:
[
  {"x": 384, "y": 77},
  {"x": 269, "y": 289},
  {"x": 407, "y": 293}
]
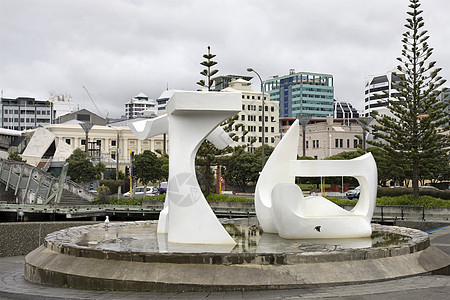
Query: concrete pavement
[{"x": 13, "y": 286}]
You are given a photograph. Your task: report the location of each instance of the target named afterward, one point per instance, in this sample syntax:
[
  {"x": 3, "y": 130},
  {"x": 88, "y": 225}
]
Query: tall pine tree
[
  {"x": 415, "y": 131},
  {"x": 208, "y": 72}
]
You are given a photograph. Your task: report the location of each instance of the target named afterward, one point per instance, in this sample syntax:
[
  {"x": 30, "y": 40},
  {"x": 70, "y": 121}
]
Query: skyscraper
[{"x": 302, "y": 93}]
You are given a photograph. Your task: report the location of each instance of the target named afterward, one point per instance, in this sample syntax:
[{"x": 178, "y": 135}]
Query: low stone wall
[
  {"x": 22, "y": 238},
  {"x": 421, "y": 225}
]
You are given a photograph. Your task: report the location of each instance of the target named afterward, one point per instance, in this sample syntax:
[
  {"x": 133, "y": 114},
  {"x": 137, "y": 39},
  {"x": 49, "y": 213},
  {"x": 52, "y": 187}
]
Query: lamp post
[
  {"x": 263, "y": 117},
  {"x": 304, "y": 120},
  {"x": 364, "y": 123}
]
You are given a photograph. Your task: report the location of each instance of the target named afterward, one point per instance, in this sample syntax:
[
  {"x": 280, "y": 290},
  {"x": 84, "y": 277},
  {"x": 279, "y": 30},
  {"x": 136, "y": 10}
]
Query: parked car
[
  {"x": 162, "y": 187},
  {"x": 139, "y": 192},
  {"x": 353, "y": 193},
  {"x": 429, "y": 187}
]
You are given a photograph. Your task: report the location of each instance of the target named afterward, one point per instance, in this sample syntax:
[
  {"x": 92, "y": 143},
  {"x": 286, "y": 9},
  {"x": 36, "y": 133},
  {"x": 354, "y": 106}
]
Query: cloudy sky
[{"x": 118, "y": 48}]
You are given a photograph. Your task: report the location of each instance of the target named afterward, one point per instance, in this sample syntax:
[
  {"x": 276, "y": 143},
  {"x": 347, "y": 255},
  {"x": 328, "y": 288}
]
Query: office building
[
  {"x": 25, "y": 113},
  {"x": 344, "y": 110},
  {"x": 222, "y": 82},
  {"x": 140, "y": 105},
  {"x": 302, "y": 93},
  {"x": 248, "y": 126},
  {"x": 378, "y": 89}
]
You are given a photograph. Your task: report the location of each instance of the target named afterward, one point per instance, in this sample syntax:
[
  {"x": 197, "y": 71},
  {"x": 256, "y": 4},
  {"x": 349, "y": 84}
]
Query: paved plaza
[{"x": 13, "y": 286}]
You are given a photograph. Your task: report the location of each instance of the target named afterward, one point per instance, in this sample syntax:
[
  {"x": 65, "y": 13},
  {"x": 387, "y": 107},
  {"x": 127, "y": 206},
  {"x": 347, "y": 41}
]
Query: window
[
  {"x": 272, "y": 109},
  {"x": 272, "y": 129},
  {"x": 355, "y": 143},
  {"x": 348, "y": 143},
  {"x": 266, "y": 118},
  {"x": 336, "y": 143},
  {"x": 83, "y": 142},
  {"x": 314, "y": 144},
  {"x": 341, "y": 143},
  {"x": 317, "y": 143},
  {"x": 81, "y": 117},
  {"x": 113, "y": 155},
  {"x": 68, "y": 141},
  {"x": 242, "y": 118},
  {"x": 113, "y": 143},
  {"x": 307, "y": 144},
  {"x": 272, "y": 119},
  {"x": 272, "y": 140}
]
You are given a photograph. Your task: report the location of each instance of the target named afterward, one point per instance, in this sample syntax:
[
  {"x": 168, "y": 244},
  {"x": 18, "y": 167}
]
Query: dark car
[{"x": 162, "y": 187}]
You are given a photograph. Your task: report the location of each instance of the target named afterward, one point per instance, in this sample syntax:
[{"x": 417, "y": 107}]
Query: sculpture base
[{"x": 64, "y": 261}]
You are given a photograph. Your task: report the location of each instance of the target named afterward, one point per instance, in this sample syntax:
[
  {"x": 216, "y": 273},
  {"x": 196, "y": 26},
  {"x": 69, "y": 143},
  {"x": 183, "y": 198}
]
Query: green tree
[
  {"x": 147, "y": 167},
  {"x": 208, "y": 72},
  {"x": 81, "y": 168},
  {"x": 16, "y": 157},
  {"x": 412, "y": 133}
]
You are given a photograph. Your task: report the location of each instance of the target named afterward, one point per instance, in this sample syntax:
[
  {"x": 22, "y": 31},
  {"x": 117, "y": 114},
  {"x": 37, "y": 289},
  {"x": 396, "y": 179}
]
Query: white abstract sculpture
[
  {"x": 191, "y": 117},
  {"x": 281, "y": 207}
]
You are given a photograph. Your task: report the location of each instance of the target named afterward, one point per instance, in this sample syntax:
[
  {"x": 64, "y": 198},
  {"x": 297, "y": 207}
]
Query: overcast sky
[{"x": 118, "y": 48}]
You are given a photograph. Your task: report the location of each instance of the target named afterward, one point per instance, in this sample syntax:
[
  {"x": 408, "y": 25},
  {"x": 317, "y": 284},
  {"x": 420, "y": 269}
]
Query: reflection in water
[{"x": 142, "y": 237}]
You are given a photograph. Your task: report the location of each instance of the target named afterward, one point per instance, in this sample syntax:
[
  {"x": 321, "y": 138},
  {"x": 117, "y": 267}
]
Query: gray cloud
[{"x": 120, "y": 48}]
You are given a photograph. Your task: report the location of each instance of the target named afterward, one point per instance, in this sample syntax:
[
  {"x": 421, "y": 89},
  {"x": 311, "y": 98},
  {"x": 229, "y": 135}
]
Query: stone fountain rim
[{"x": 63, "y": 242}]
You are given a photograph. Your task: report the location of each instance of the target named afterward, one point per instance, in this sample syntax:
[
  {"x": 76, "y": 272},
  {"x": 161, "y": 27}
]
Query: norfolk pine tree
[{"x": 413, "y": 132}]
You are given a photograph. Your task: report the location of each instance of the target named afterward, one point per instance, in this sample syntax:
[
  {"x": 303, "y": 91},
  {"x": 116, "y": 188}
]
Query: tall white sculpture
[
  {"x": 191, "y": 117},
  {"x": 281, "y": 207}
]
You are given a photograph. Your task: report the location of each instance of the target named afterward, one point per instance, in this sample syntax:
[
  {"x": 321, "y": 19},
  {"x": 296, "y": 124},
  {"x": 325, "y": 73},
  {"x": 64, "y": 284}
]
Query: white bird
[{"x": 107, "y": 221}]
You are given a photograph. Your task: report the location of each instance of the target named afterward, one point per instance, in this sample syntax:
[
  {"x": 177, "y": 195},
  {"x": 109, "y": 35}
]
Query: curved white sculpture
[
  {"x": 281, "y": 207},
  {"x": 191, "y": 117}
]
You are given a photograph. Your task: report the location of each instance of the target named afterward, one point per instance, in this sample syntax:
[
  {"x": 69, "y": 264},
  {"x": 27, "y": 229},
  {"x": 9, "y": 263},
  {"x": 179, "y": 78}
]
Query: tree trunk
[{"x": 415, "y": 180}]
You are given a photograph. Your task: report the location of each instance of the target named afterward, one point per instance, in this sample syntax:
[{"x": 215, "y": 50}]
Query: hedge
[{"x": 393, "y": 192}]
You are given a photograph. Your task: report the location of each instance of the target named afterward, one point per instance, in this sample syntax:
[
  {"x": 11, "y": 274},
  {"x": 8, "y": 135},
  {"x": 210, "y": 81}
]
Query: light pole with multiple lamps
[{"x": 263, "y": 117}]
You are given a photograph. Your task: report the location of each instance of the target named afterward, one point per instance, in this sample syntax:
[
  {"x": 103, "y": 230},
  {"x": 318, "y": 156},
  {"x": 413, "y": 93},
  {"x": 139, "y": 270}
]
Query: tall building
[
  {"x": 62, "y": 104},
  {"x": 139, "y": 105},
  {"x": 378, "y": 89},
  {"x": 302, "y": 93},
  {"x": 222, "y": 82},
  {"x": 248, "y": 126},
  {"x": 344, "y": 110},
  {"x": 25, "y": 113}
]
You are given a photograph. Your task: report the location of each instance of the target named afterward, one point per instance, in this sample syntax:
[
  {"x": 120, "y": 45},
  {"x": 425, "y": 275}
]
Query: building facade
[
  {"x": 56, "y": 142},
  {"x": 302, "y": 93},
  {"x": 25, "y": 113},
  {"x": 327, "y": 137},
  {"x": 248, "y": 126},
  {"x": 140, "y": 105},
  {"x": 344, "y": 110},
  {"x": 62, "y": 104},
  {"x": 222, "y": 82},
  {"x": 378, "y": 89}
]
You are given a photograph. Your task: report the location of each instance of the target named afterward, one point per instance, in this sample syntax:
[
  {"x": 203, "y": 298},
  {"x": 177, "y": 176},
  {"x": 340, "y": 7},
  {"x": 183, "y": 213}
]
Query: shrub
[
  {"x": 226, "y": 198},
  {"x": 113, "y": 185},
  {"x": 126, "y": 201},
  {"x": 102, "y": 194},
  {"x": 394, "y": 192}
]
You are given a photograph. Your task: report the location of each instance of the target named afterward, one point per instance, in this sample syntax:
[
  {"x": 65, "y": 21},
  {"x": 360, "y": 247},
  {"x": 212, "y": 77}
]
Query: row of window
[
  {"x": 253, "y": 107},
  {"x": 23, "y": 112},
  {"x": 250, "y": 139},
  {"x": 253, "y": 118},
  {"x": 338, "y": 143},
  {"x": 253, "y": 129},
  {"x": 253, "y": 97},
  {"x": 26, "y": 120}
]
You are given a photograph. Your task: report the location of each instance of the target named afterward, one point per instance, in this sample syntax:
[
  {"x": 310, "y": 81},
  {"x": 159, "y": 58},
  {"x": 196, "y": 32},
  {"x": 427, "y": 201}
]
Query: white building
[
  {"x": 56, "y": 143},
  {"x": 139, "y": 106},
  {"x": 248, "y": 126},
  {"x": 62, "y": 104},
  {"x": 378, "y": 89}
]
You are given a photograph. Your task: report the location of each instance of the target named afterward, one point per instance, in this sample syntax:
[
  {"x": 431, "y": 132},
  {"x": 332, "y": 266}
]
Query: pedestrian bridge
[{"x": 31, "y": 185}]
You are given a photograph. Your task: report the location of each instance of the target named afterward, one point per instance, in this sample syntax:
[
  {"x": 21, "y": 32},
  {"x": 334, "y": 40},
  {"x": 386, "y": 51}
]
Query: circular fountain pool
[{"x": 132, "y": 256}]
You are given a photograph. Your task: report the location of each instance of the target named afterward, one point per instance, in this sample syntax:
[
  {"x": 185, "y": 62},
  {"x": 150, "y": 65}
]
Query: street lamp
[
  {"x": 364, "y": 123},
  {"x": 304, "y": 120},
  {"x": 263, "y": 117}
]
